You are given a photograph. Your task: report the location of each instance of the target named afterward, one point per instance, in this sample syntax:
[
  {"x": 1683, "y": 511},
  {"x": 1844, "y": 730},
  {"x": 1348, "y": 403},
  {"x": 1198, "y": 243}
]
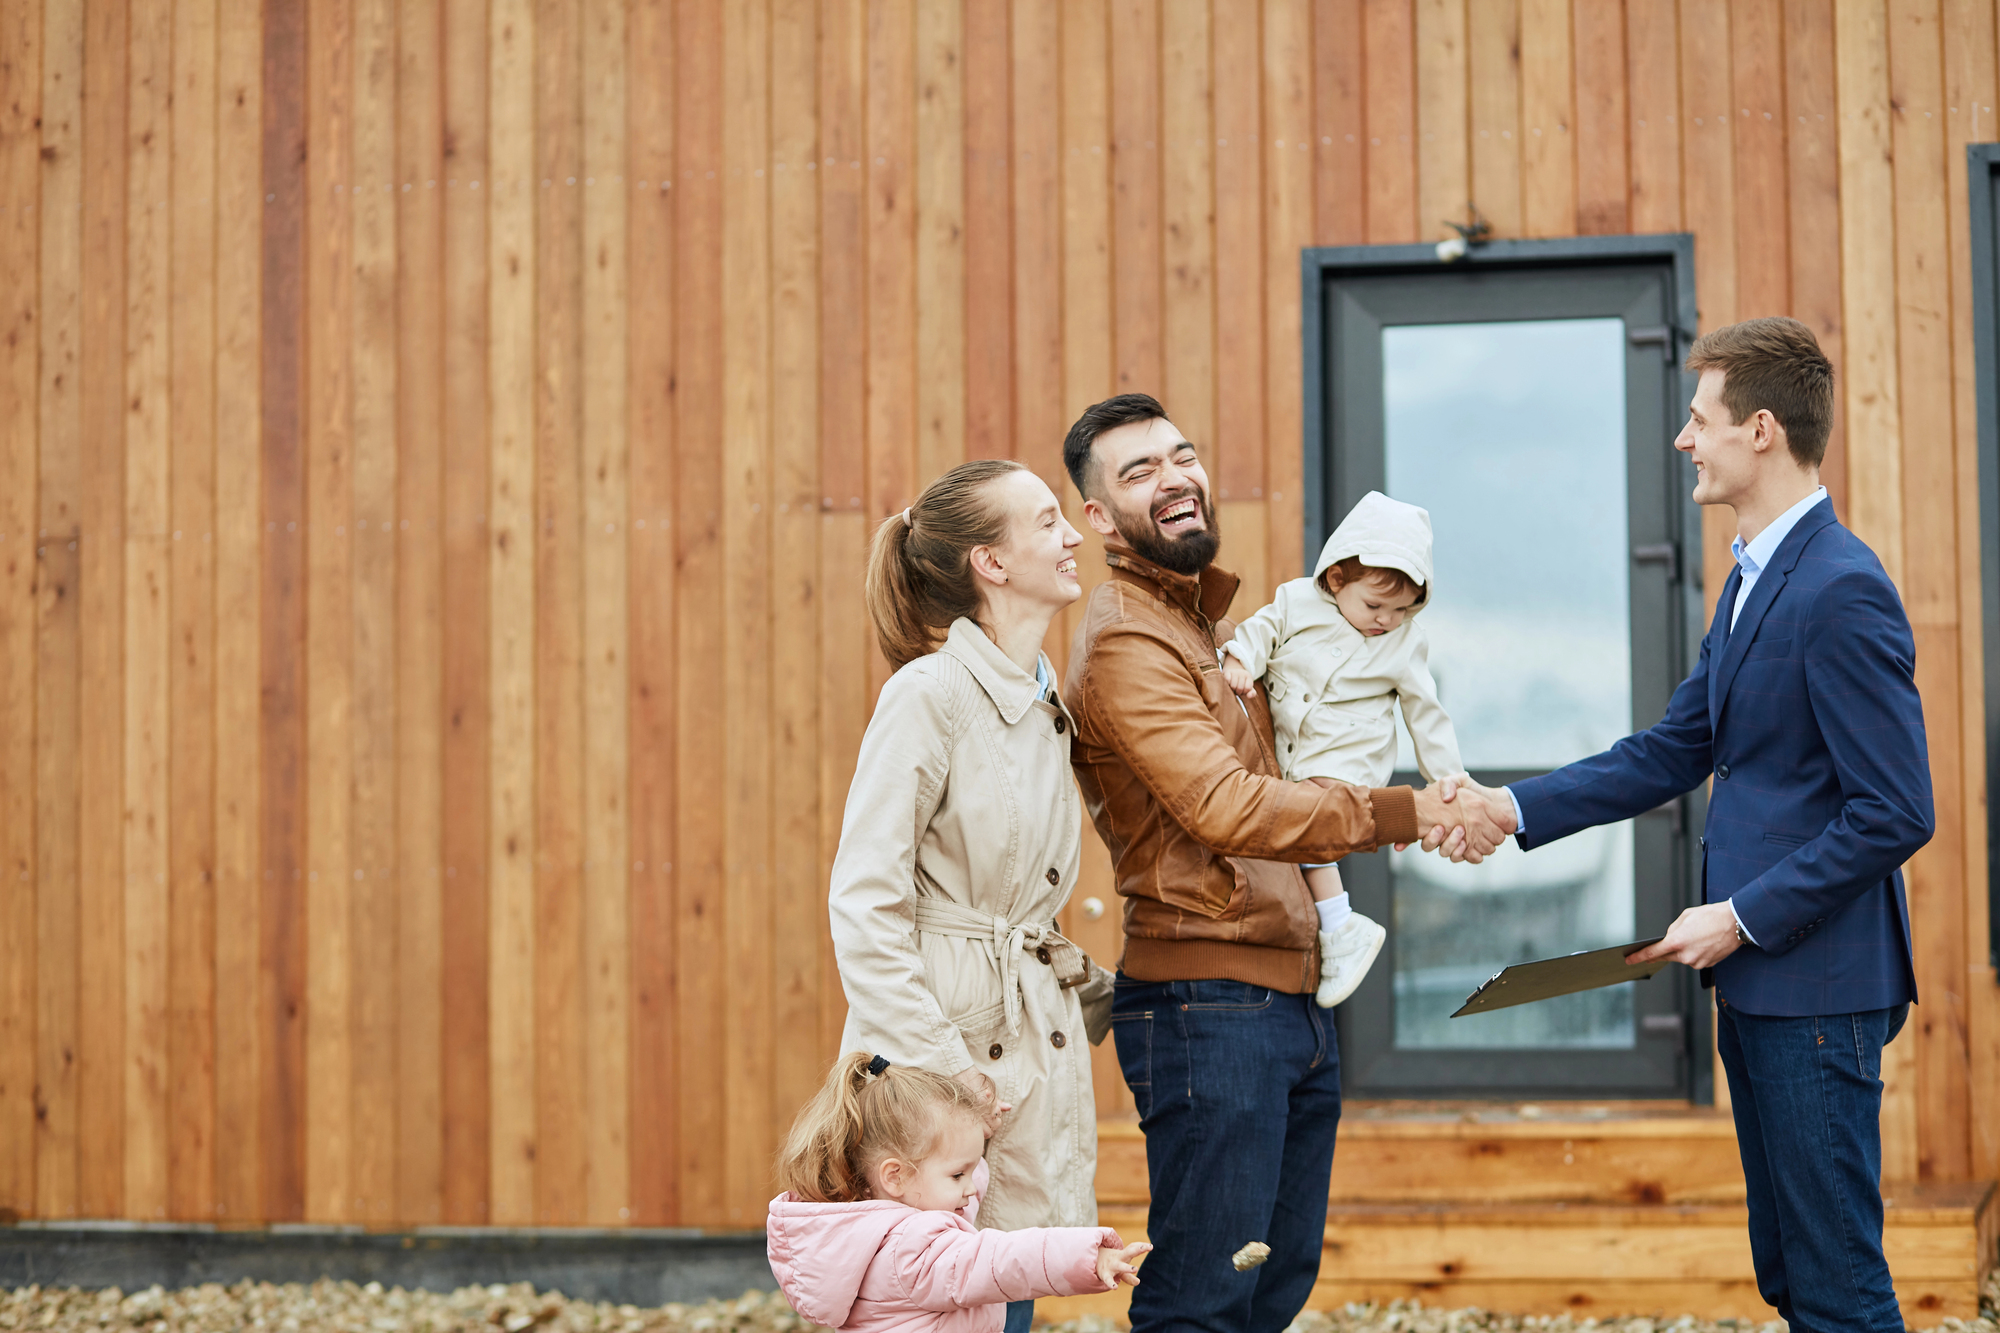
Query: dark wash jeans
[
  {"x": 1239, "y": 1096},
  {"x": 1807, "y": 1096}
]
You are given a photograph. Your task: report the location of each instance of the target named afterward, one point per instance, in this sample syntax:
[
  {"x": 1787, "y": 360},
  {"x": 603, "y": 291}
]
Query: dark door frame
[
  {"x": 1676, "y": 252},
  {"x": 1982, "y": 162}
]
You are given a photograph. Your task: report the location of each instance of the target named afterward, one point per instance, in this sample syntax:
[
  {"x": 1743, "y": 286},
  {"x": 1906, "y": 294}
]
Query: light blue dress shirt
[{"x": 1751, "y": 558}]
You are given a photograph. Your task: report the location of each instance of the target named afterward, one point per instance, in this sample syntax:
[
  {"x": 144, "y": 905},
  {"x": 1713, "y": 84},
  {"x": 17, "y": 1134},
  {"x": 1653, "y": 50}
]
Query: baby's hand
[
  {"x": 1114, "y": 1266},
  {"x": 1238, "y": 676}
]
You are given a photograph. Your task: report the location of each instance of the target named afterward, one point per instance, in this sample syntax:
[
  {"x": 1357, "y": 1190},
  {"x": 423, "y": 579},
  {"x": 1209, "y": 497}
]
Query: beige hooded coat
[
  {"x": 1333, "y": 690},
  {"x": 959, "y": 846}
]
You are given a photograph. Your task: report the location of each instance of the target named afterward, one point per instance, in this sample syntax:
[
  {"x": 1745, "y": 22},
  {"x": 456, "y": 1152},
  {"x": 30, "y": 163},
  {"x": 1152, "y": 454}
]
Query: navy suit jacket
[{"x": 1807, "y": 715}]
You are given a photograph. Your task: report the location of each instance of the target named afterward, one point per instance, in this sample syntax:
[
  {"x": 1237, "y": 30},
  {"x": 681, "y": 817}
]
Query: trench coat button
[
  {"x": 1061, "y": 725},
  {"x": 1055, "y": 876},
  {"x": 1042, "y": 954},
  {"x": 1722, "y": 771},
  {"x": 993, "y": 1051},
  {"x": 1058, "y": 1040}
]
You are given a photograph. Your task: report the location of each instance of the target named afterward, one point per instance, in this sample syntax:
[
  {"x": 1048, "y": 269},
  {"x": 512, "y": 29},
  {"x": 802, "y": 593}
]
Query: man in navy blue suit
[{"x": 1804, "y": 711}]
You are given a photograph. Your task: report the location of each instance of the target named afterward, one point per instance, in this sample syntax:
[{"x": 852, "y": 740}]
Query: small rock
[{"x": 1247, "y": 1258}]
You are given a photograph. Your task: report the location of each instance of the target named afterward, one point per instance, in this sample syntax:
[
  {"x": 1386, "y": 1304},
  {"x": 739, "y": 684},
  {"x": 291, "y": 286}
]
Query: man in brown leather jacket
[{"x": 1235, "y": 1070}]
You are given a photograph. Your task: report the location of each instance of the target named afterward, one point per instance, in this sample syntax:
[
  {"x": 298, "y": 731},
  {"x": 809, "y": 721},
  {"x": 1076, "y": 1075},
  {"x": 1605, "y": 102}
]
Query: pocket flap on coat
[{"x": 981, "y": 1025}]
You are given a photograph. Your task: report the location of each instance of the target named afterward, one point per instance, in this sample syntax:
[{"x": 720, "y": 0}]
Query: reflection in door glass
[{"x": 1512, "y": 434}]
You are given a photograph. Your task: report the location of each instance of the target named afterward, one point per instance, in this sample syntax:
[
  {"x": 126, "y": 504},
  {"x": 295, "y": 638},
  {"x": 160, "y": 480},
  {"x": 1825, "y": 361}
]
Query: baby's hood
[
  {"x": 1386, "y": 534},
  {"x": 819, "y": 1252}
]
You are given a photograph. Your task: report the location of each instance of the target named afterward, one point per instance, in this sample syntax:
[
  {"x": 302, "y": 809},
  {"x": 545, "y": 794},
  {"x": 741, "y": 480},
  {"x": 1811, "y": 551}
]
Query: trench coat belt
[{"x": 1008, "y": 940}]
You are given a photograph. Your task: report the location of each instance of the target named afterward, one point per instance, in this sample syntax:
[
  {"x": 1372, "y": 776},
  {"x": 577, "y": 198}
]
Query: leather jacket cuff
[{"x": 1395, "y": 811}]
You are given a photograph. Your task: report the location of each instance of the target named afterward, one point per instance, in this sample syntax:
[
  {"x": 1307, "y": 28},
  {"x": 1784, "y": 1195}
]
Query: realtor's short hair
[{"x": 1773, "y": 365}]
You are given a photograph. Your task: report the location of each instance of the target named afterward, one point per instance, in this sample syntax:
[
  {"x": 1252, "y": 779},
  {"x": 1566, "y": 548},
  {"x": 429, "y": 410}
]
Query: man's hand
[
  {"x": 1238, "y": 676},
  {"x": 1438, "y": 835},
  {"x": 989, "y": 1099},
  {"x": 1462, "y": 830},
  {"x": 1700, "y": 937}
]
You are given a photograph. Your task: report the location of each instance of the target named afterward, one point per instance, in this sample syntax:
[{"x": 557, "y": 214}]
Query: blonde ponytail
[
  {"x": 858, "y": 1119},
  {"x": 919, "y": 568}
]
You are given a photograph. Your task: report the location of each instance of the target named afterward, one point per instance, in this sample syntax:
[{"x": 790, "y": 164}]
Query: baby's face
[
  {"x": 1370, "y": 606},
  {"x": 942, "y": 1182}
]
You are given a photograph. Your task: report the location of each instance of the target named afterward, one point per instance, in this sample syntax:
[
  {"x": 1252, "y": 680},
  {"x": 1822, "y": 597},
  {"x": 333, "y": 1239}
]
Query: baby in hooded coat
[
  {"x": 878, "y": 1227},
  {"x": 1337, "y": 652}
]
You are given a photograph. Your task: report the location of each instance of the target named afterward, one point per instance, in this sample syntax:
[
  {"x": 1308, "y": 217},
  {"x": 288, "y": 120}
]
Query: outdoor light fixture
[{"x": 1476, "y": 231}]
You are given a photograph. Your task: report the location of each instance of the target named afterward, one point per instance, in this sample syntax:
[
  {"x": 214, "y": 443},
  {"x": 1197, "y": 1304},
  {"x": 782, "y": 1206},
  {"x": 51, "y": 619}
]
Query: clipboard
[{"x": 1524, "y": 983}]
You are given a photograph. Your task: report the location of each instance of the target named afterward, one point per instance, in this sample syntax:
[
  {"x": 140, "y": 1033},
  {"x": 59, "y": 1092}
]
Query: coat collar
[
  {"x": 1770, "y": 581},
  {"x": 1012, "y": 690},
  {"x": 1207, "y": 594}
]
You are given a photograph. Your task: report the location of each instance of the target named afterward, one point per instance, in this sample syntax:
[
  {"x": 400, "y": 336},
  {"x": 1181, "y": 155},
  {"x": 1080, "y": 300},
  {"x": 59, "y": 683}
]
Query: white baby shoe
[{"x": 1345, "y": 955}]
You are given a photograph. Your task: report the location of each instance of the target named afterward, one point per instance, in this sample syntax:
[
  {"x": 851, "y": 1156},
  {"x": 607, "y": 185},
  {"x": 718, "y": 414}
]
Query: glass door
[{"x": 1530, "y": 413}]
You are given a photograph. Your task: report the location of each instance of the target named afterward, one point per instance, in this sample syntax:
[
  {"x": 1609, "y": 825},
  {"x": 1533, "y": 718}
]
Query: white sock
[{"x": 1333, "y": 912}]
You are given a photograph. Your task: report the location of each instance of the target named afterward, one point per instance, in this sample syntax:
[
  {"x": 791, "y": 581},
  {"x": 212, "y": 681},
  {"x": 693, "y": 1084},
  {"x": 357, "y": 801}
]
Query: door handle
[
  {"x": 1662, "y": 336},
  {"x": 1660, "y": 553},
  {"x": 1663, "y": 1024}
]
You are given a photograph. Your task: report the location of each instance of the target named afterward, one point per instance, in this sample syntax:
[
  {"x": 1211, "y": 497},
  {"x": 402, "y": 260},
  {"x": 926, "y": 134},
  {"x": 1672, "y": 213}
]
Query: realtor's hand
[
  {"x": 1700, "y": 937},
  {"x": 1498, "y": 805},
  {"x": 1462, "y": 830}
]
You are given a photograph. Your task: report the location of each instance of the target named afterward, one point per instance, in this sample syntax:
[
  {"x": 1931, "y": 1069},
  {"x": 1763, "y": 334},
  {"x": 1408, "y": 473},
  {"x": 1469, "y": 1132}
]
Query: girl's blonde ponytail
[
  {"x": 857, "y": 1119},
  {"x": 919, "y": 567}
]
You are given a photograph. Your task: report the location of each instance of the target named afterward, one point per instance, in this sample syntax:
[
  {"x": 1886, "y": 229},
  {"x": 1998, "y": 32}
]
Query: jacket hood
[
  {"x": 819, "y": 1252},
  {"x": 1385, "y": 534}
]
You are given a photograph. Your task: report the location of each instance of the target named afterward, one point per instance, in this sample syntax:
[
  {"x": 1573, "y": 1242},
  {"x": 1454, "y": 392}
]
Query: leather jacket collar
[{"x": 1207, "y": 594}]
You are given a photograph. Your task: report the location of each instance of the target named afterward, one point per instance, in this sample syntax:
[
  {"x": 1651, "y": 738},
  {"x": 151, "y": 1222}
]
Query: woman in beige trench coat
[{"x": 960, "y": 840}]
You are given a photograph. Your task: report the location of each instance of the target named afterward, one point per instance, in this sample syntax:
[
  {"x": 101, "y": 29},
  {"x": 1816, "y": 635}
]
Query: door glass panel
[{"x": 1512, "y": 434}]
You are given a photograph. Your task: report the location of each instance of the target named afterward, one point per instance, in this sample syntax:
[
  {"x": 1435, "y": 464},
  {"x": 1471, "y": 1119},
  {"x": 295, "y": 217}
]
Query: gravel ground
[{"x": 343, "y": 1307}]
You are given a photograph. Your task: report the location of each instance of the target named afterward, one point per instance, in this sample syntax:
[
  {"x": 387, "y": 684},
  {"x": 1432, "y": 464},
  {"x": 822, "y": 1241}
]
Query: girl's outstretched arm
[{"x": 942, "y": 1266}]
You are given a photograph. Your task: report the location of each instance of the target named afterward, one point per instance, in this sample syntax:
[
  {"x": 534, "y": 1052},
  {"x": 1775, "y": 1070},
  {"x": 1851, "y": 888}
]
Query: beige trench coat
[{"x": 963, "y": 820}]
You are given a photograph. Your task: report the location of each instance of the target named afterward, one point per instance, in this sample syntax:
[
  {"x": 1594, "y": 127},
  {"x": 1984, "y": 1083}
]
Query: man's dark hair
[
  {"x": 1123, "y": 410},
  {"x": 1773, "y": 365}
]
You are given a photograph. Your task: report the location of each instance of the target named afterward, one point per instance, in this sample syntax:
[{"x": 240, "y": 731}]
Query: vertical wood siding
[{"x": 439, "y": 443}]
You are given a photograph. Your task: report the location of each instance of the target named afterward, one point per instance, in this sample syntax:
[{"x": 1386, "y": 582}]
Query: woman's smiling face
[{"x": 1038, "y": 555}]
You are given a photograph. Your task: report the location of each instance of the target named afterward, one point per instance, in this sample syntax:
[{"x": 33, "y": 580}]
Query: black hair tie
[{"x": 876, "y": 1066}]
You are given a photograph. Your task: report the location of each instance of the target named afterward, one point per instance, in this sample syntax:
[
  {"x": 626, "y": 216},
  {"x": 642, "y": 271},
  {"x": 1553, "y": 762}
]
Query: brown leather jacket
[{"x": 1181, "y": 779}]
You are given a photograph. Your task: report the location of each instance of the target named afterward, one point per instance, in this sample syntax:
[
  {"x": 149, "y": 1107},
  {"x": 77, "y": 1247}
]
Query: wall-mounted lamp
[{"x": 1476, "y": 231}]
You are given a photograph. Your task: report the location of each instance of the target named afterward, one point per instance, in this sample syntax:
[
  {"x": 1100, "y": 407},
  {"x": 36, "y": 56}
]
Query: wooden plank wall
[{"x": 439, "y": 443}]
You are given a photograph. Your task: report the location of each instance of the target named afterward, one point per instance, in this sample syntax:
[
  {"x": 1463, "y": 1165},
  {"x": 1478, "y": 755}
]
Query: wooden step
[
  {"x": 1647, "y": 1216},
  {"x": 1629, "y": 1152}
]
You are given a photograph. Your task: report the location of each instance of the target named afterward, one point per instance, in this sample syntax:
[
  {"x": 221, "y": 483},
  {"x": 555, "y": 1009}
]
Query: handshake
[{"x": 1464, "y": 821}]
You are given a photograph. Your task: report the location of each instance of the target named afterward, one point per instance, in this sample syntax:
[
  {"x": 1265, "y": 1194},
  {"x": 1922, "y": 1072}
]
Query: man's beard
[{"x": 1189, "y": 553}]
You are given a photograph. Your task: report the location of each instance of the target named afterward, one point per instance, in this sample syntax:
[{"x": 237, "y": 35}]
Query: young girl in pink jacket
[{"x": 877, "y": 1229}]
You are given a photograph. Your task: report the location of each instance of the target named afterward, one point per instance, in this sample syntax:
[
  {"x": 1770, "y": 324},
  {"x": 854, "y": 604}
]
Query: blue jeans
[
  {"x": 1239, "y": 1096},
  {"x": 1807, "y": 1095},
  {"x": 1020, "y": 1317}
]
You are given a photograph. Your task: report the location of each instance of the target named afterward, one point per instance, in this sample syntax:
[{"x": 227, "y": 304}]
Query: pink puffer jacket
[{"x": 882, "y": 1266}]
